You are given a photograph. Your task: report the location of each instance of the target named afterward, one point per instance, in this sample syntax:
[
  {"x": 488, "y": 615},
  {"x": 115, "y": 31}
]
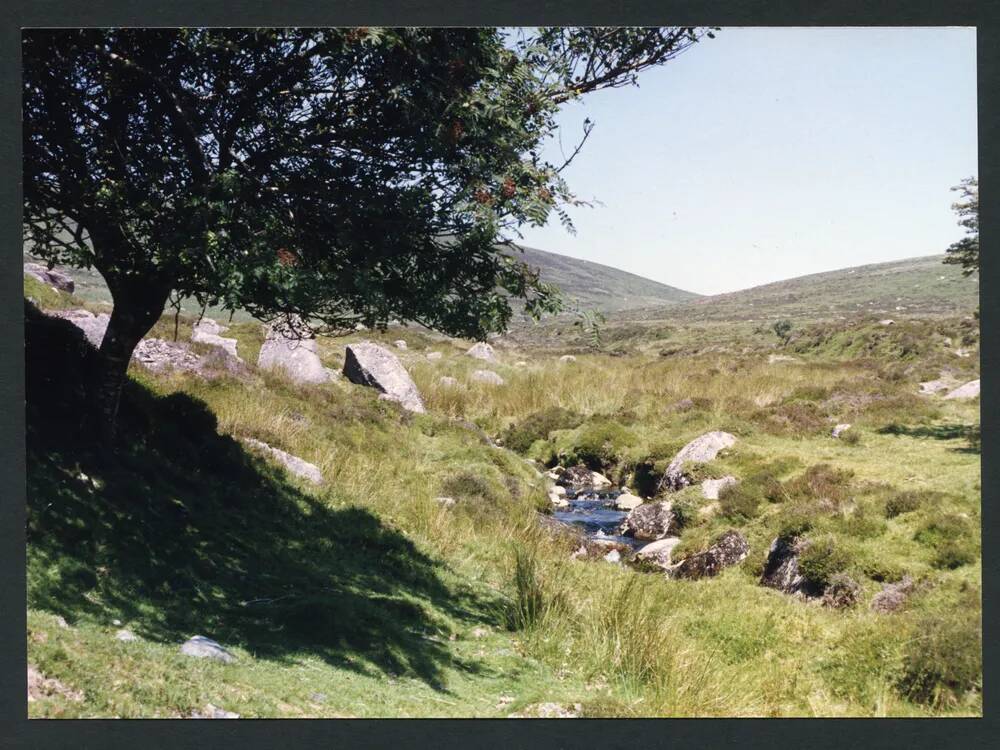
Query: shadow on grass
[
  {"x": 181, "y": 533},
  {"x": 970, "y": 432}
]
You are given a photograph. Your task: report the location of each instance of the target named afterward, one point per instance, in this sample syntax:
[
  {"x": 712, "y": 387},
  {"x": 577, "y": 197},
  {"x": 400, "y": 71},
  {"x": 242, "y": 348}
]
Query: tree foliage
[{"x": 965, "y": 252}]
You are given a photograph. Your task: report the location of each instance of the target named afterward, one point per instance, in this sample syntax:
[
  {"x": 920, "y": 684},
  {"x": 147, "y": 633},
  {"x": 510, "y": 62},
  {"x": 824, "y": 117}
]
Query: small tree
[
  {"x": 782, "y": 329},
  {"x": 965, "y": 252},
  {"x": 333, "y": 176}
]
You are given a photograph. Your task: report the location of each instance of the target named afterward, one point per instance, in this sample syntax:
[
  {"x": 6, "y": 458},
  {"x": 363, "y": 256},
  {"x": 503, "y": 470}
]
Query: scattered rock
[
  {"x": 399, "y": 344},
  {"x": 207, "y": 332},
  {"x": 549, "y": 711},
  {"x": 842, "y": 592},
  {"x": 294, "y": 464},
  {"x": 487, "y": 376},
  {"x": 447, "y": 380},
  {"x": 433, "y": 355},
  {"x": 840, "y": 429},
  {"x": 613, "y": 556},
  {"x": 296, "y": 356},
  {"x": 627, "y": 501},
  {"x": 649, "y": 522},
  {"x": 482, "y": 350},
  {"x": 567, "y": 358},
  {"x": 711, "y": 488},
  {"x": 93, "y": 326},
  {"x": 559, "y": 490},
  {"x": 781, "y": 570},
  {"x": 969, "y": 390},
  {"x": 930, "y": 387},
  {"x": 126, "y": 636},
  {"x": 729, "y": 549},
  {"x": 205, "y": 648},
  {"x": 658, "y": 552},
  {"x": 893, "y": 596},
  {"x": 160, "y": 355},
  {"x": 887, "y": 321},
  {"x": 41, "y": 687},
  {"x": 61, "y": 281},
  {"x": 700, "y": 450},
  {"x": 372, "y": 365},
  {"x": 213, "y": 712}
]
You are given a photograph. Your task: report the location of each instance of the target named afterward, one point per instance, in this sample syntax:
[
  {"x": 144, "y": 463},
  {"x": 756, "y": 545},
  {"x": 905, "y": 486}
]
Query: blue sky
[{"x": 765, "y": 154}]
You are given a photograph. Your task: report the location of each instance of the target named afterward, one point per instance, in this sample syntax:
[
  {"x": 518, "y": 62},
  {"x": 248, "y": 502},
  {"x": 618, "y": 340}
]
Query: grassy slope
[{"x": 377, "y": 577}]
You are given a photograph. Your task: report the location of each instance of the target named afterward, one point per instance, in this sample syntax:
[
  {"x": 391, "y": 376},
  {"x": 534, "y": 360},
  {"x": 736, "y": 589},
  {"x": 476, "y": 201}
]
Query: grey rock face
[
  {"x": 372, "y": 365},
  {"x": 61, "y": 281},
  {"x": 781, "y": 570},
  {"x": 159, "y": 355},
  {"x": 969, "y": 390},
  {"x": 482, "y": 350},
  {"x": 700, "y": 450},
  {"x": 296, "y": 357},
  {"x": 487, "y": 376},
  {"x": 205, "y": 648},
  {"x": 294, "y": 464},
  {"x": 729, "y": 549},
  {"x": 93, "y": 326},
  {"x": 649, "y": 522},
  {"x": 577, "y": 477},
  {"x": 711, "y": 488}
]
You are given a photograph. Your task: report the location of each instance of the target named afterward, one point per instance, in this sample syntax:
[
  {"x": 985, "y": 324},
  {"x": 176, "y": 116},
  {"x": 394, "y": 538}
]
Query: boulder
[
  {"x": 649, "y": 522},
  {"x": 627, "y": 501},
  {"x": 160, "y": 355},
  {"x": 887, "y": 322},
  {"x": 372, "y": 365},
  {"x": 700, "y": 450},
  {"x": 781, "y": 570},
  {"x": 399, "y": 344},
  {"x": 93, "y": 326},
  {"x": 445, "y": 502},
  {"x": 711, "y": 488},
  {"x": 893, "y": 596},
  {"x": 577, "y": 477},
  {"x": 61, "y": 281},
  {"x": 599, "y": 481},
  {"x": 447, "y": 380},
  {"x": 487, "y": 376},
  {"x": 729, "y": 549},
  {"x": 969, "y": 390},
  {"x": 297, "y": 357},
  {"x": 207, "y": 332},
  {"x": 658, "y": 552},
  {"x": 558, "y": 500},
  {"x": 840, "y": 429},
  {"x": 205, "y": 648},
  {"x": 482, "y": 350},
  {"x": 433, "y": 355},
  {"x": 614, "y": 556},
  {"x": 567, "y": 358},
  {"x": 293, "y": 464}
]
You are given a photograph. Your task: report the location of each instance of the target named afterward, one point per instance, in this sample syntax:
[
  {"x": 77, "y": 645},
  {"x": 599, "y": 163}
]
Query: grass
[{"x": 369, "y": 592}]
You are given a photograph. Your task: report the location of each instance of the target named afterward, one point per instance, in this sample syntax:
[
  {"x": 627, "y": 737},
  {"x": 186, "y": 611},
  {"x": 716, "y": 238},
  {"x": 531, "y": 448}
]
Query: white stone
[
  {"x": 125, "y": 636},
  {"x": 447, "y": 380},
  {"x": 627, "y": 501},
  {"x": 599, "y": 481},
  {"x": 433, "y": 355},
  {"x": 207, "y": 332},
  {"x": 93, "y": 326},
  {"x": 567, "y": 358},
  {"x": 840, "y": 429},
  {"x": 294, "y": 464},
  {"x": 298, "y": 358},
  {"x": 700, "y": 450},
  {"x": 969, "y": 390},
  {"x": 399, "y": 344},
  {"x": 487, "y": 376},
  {"x": 658, "y": 551},
  {"x": 205, "y": 648},
  {"x": 930, "y": 387},
  {"x": 613, "y": 556},
  {"x": 482, "y": 350},
  {"x": 887, "y": 321},
  {"x": 367, "y": 363},
  {"x": 711, "y": 488}
]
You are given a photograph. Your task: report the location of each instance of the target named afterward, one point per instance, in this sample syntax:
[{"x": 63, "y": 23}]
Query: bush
[
  {"x": 599, "y": 444},
  {"x": 739, "y": 502},
  {"x": 820, "y": 482},
  {"x": 842, "y": 592},
  {"x": 944, "y": 659},
  {"x": 954, "y": 554},
  {"x": 851, "y": 437},
  {"x": 861, "y": 525},
  {"x": 905, "y": 502},
  {"x": 822, "y": 560},
  {"x": 539, "y": 426}
]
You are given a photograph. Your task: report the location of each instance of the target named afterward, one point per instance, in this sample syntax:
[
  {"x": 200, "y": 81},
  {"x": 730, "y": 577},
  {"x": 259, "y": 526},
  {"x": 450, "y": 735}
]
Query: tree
[
  {"x": 331, "y": 176},
  {"x": 782, "y": 329},
  {"x": 965, "y": 252}
]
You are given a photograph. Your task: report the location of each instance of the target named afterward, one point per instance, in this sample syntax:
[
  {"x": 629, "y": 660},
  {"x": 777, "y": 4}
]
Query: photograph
[{"x": 501, "y": 372}]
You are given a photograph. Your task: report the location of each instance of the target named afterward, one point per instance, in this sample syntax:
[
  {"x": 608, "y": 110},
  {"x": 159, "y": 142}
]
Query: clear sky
[{"x": 765, "y": 154}]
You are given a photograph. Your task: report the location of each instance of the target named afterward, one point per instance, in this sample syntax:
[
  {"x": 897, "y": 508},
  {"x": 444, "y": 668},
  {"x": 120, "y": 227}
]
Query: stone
[
  {"x": 964, "y": 353},
  {"x": 549, "y": 711},
  {"x": 700, "y": 450},
  {"x": 160, "y": 355},
  {"x": 487, "y": 376},
  {"x": 126, "y": 636},
  {"x": 369, "y": 364},
  {"x": 840, "y": 429},
  {"x": 711, "y": 488},
  {"x": 627, "y": 501},
  {"x": 41, "y": 687},
  {"x": 930, "y": 387},
  {"x": 61, "y": 281},
  {"x": 887, "y": 321},
  {"x": 558, "y": 500},
  {"x": 433, "y": 355},
  {"x": 207, "y": 332},
  {"x": 61, "y": 622},
  {"x": 893, "y": 596},
  {"x": 400, "y": 344},
  {"x": 296, "y": 357},
  {"x": 482, "y": 350},
  {"x": 649, "y": 522},
  {"x": 577, "y": 477},
  {"x": 93, "y": 326},
  {"x": 729, "y": 549},
  {"x": 773, "y": 358},
  {"x": 205, "y": 648},
  {"x": 293, "y": 464},
  {"x": 658, "y": 552},
  {"x": 781, "y": 569},
  {"x": 448, "y": 381},
  {"x": 446, "y": 502},
  {"x": 521, "y": 363},
  {"x": 614, "y": 556},
  {"x": 213, "y": 712},
  {"x": 599, "y": 481},
  {"x": 969, "y": 390},
  {"x": 567, "y": 358},
  {"x": 559, "y": 490}
]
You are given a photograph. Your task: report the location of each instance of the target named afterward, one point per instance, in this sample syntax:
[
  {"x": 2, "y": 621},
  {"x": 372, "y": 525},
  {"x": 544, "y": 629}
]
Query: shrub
[
  {"x": 954, "y": 554},
  {"x": 470, "y": 486},
  {"x": 820, "y": 482},
  {"x": 842, "y": 592},
  {"x": 599, "y": 444},
  {"x": 944, "y": 659},
  {"x": 538, "y": 426},
  {"x": 861, "y": 525},
  {"x": 739, "y": 502},
  {"x": 821, "y": 560},
  {"x": 904, "y": 502}
]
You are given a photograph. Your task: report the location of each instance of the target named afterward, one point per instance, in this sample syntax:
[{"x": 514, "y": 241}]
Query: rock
[
  {"x": 399, "y": 344},
  {"x": 840, "y": 429},
  {"x": 372, "y": 365},
  {"x": 205, "y": 648},
  {"x": 297, "y": 358},
  {"x": 887, "y": 321},
  {"x": 842, "y": 592},
  {"x": 559, "y": 490},
  {"x": 729, "y": 549},
  {"x": 125, "y": 636},
  {"x": 558, "y": 500},
  {"x": 433, "y": 355},
  {"x": 700, "y": 450},
  {"x": 658, "y": 552},
  {"x": 613, "y": 556},
  {"x": 61, "y": 622},
  {"x": 567, "y": 358},
  {"x": 93, "y": 326},
  {"x": 522, "y": 363},
  {"x": 781, "y": 570},
  {"x": 577, "y": 477},
  {"x": 207, "y": 325},
  {"x": 159, "y": 355},
  {"x": 446, "y": 502},
  {"x": 627, "y": 501},
  {"x": 293, "y": 464},
  {"x": 649, "y": 522},
  {"x": 772, "y": 358},
  {"x": 548, "y": 711},
  {"x": 61, "y": 281},
  {"x": 599, "y": 481},
  {"x": 480, "y": 632},
  {"x": 213, "y": 712},
  {"x": 207, "y": 332},
  {"x": 41, "y": 687},
  {"x": 711, "y": 488},
  {"x": 482, "y": 350},
  {"x": 893, "y": 596},
  {"x": 930, "y": 387},
  {"x": 447, "y": 380},
  {"x": 969, "y": 390},
  {"x": 487, "y": 376},
  {"x": 964, "y": 353}
]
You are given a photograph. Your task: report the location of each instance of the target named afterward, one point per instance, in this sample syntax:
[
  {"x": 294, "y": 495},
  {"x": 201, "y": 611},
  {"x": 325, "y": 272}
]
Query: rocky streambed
[{"x": 594, "y": 511}]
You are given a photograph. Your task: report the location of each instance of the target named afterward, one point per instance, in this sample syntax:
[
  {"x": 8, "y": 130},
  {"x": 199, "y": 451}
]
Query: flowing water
[{"x": 594, "y": 512}]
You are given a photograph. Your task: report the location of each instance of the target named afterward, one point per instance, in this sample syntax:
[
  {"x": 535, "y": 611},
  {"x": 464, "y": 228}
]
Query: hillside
[
  {"x": 601, "y": 287},
  {"x": 902, "y": 288}
]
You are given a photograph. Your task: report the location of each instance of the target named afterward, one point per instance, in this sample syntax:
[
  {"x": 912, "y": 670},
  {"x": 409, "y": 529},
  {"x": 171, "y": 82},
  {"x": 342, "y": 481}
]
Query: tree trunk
[{"x": 137, "y": 307}]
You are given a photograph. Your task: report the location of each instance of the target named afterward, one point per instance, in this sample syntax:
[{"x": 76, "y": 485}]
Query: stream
[{"x": 595, "y": 513}]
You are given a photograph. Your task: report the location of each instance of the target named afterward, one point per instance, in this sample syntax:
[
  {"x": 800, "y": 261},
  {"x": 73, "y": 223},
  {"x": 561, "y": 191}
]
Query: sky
[{"x": 765, "y": 154}]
